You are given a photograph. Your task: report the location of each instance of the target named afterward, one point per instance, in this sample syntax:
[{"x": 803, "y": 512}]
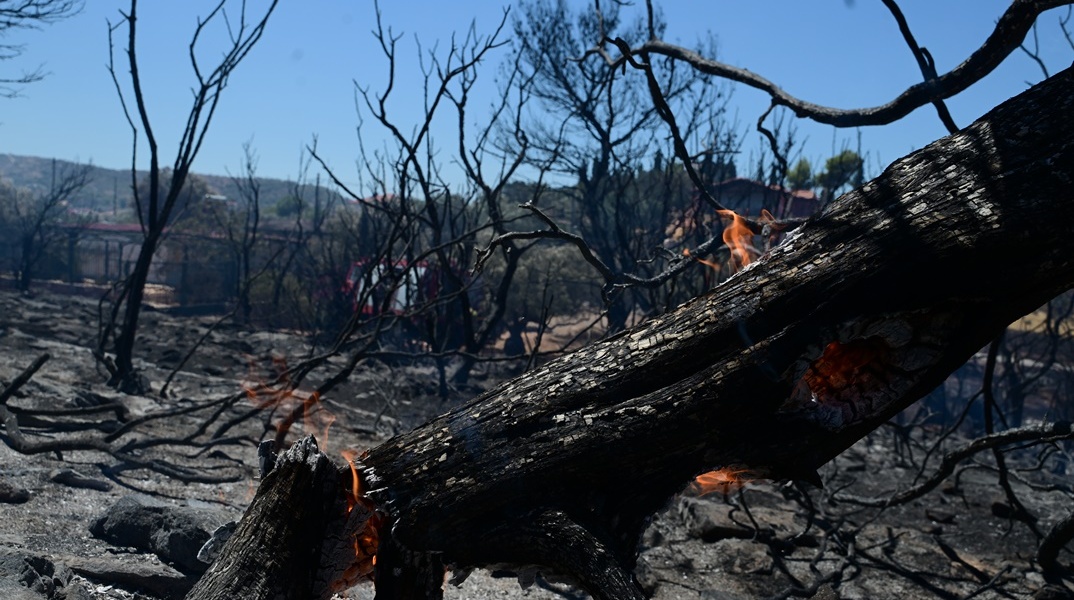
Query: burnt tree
[
  {"x": 861, "y": 311},
  {"x": 156, "y": 211}
]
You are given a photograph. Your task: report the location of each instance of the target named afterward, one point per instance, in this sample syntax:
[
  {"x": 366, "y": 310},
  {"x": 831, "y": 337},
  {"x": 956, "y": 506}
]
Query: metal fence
[{"x": 187, "y": 270}]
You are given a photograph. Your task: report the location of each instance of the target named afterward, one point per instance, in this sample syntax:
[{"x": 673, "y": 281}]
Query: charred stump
[
  {"x": 860, "y": 312},
  {"x": 296, "y": 539}
]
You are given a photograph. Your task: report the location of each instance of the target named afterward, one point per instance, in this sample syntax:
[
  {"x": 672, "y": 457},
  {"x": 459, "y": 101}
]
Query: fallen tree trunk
[{"x": 860, "y": 312}]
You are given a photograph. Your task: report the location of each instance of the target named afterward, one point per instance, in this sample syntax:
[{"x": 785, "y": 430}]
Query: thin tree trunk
[{"x": 124, "y": 347}]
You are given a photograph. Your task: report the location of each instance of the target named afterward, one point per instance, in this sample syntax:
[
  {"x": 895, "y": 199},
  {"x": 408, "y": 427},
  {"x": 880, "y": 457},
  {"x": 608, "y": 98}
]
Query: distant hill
[{"x": 111, "y": 188}]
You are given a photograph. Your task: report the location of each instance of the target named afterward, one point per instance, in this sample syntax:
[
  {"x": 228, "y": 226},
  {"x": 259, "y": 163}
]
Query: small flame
[
  {"x": 724, "y": 480},
  {"x": 706, "y": 262},
  {"x": 349, "y": 455},
  {"x": 738, "y": 237},
  {"x": 368, "y": 533},
  {"x": 287, "y": 403}
]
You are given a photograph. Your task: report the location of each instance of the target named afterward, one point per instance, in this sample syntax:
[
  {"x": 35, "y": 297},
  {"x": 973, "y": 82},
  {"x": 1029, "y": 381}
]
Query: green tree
[
  {"x": 800, "y": 177},
  {"x": 289, "y": 206},
  {"x": 844, "y": 170}
]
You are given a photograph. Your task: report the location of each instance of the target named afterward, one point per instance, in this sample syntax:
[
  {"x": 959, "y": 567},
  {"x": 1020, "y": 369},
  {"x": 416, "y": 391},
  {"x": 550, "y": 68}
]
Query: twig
[
  {"x": 23, "y": 378},
  {"x": 1034, "y": 433}
]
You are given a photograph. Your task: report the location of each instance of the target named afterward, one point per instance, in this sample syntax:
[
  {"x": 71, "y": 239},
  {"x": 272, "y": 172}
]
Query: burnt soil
[{"x": 768, "y": 539}]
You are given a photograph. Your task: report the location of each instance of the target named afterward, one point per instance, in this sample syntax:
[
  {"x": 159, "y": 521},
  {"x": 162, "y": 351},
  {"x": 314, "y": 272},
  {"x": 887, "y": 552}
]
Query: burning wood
[
  {"x": 775, "y": 371},
  {"x": 367, "y": 537},
  {"x": 738, "y": 238},
  {"x": 299, "y": 536}
]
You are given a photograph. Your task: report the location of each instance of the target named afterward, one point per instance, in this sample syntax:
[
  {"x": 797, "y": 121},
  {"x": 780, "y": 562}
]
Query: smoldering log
[{"x": 860, "y": 312}]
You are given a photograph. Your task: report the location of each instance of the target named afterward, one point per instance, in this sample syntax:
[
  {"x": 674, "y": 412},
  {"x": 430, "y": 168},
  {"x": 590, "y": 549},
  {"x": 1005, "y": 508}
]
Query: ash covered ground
[{"x": 964, "y": 539}]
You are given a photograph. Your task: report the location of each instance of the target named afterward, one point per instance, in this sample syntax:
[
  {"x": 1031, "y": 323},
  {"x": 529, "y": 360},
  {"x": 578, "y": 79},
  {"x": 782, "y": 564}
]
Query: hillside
[{"x": 110, "y": 189}]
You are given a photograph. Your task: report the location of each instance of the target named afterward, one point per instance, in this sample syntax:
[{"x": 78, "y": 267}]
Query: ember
[
  {"x": 724, "y": 480},
  {"x": 843, "y": 365},
  {"x": 845, "y": 383}
]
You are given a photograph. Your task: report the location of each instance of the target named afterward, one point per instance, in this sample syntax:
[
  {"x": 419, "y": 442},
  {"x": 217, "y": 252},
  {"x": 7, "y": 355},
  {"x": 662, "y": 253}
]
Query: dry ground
[{"x": 955, "y": 542}]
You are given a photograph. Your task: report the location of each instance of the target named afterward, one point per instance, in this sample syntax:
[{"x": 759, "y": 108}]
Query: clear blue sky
[{"x": 298, "y": 83}]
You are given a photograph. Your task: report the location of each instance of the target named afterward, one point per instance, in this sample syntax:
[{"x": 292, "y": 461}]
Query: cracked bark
[{"x": 860, "y": 312}]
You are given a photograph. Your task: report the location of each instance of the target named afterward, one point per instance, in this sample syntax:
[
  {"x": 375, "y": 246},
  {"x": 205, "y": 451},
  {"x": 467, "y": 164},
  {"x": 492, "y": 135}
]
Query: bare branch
[
  {"x": 28, "y": 14},
  {"x": 1036, "y": 434},
  {"x": 925, "y": 62},
  {"x": 1009, "y": 32},
  {"x": 23, "y": 378}
]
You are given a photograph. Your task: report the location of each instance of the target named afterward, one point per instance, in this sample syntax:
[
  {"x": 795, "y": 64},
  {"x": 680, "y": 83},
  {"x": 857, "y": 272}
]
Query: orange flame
[
  {"x": 287, "y": 403},
  {"x": 367, "y": 535},
  {"x": 706, "y": 262},
  {"x": 724, "y": 480},
  {"x": 349, "y": 455},
  {"x": 738, "y": 237}
]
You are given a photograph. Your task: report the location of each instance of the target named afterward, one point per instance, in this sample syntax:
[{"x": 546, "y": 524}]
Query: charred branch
[
  {"x": 1039, "y": 434},
  {"x": 23, "y": 378},
  {"x": 1010, "y": 31},
  {"x": 1048, "y": 552}
]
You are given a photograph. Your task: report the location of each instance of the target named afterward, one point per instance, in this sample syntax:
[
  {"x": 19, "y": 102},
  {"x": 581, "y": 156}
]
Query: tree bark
[{"x": 860, "y": 312}]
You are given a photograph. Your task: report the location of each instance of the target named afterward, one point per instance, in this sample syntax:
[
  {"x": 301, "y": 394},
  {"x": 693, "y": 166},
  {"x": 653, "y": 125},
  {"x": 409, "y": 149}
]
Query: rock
[
  {"x": 940, "y": 515},
  {"x": 159, "y": 580},
  {"x": 72, "y": 478},
  {"x": 175, "y": 534},
  {"x": 11, "y": 590},
  {"x": 1053, "y": 592},
  {"x": 12, "y": 494},
  {"x": 34, "y": 573},
  {"x": 709, "y": 521},
  {"x": 212, "y": 548},
  {"x": 77, "y": 589}
]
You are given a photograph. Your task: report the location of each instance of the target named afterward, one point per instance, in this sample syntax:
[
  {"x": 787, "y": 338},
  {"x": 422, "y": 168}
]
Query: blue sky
[{"x": 299, "y": 82}]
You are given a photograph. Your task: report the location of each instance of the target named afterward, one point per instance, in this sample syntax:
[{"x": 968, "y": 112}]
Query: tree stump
[{"x": 296, "y": 540}]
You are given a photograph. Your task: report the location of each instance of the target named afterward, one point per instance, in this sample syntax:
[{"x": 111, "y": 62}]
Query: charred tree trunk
[
  {"x": 860, "y": 312},
  {"x": 293, "y": 541},
  {"x": 135, "y": 293}
]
